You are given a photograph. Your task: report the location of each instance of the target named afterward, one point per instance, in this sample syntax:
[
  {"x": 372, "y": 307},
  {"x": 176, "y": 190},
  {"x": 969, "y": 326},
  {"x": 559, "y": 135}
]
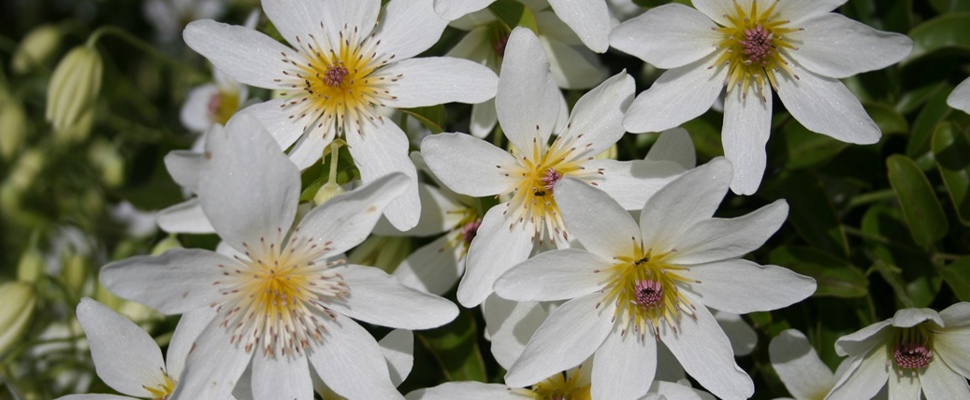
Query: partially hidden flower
[
  {"x": 634, "y": 286},
  {"x": 798, "y": 48},
  {"x": 344, "y": 63},
  {"x": 284, "y": 299},
  {"x": 19, "y": 299},
  {"x": 917, "y": 350},
  {"x": 73, "y": 87},
  {"x": 959, "y": 98}
]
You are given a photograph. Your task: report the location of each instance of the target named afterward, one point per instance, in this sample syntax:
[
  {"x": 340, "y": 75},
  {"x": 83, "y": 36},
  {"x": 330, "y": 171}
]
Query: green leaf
[
  {"x": 945, "y": 31},
  {"x": 952, "y": 151},
  {"x": 432, "y": 117},
  {"x": 455, "y": 347},
  {"x": 894, "y": 277},
  {"x": 932, "y": 113},
  {"x": 835, "y": 276},
  {"x": 706, "y": 133},
  {"x": 957, "y": 275},
  {"x": 921, "y": 209},
  {"x": 806, "y": 148},
  {"x": 513, "y": 13},
  {"x": 811, "y": 212},
  {"x": 888, "y": 119},
  {"x": 912, "y": 99}
]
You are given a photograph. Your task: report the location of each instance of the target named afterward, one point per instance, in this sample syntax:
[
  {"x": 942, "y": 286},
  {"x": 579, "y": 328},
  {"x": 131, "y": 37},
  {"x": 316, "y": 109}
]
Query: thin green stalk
[
  {"x": 141, "y": 45},
  {"x": 872, "y": 197}
]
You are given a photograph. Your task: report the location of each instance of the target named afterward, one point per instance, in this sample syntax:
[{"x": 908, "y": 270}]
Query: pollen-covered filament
[
  {"x": 573, "y": 384},
  {"x": 334, "y": 81},
  {"x": 162, "y": 390},
  {"x": 646, "y": 291},
  {"x": 754, "y": 43},
  {"x": 536, "y": 173},
  {"x": 276, "y": 298},
  {"x": 912, "y": 350}
]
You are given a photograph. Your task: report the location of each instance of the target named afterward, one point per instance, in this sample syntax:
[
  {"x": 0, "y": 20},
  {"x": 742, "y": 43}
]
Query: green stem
[
  {"x": 871, "y": 197},
  {"x": 334, "y": 148},
  {"x": 141, "y": 45}
]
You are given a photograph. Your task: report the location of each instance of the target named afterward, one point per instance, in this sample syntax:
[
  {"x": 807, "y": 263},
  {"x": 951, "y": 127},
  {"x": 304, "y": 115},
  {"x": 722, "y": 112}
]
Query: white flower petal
[
  {"x": 125, "y": 357},
  {"x": 452, "y": 9},
  {"x": 297, "y": 19},
  {"x": 465, "y": 390},
  {"x": 554, "y": 275},
  {"x": 598, "y": 115},
  {"x": 747, "y": 124},
  {"x": 474, "y": 46},
  {"x": 705, "y": 352},
  {"x": 189, "y": 328},
  {"x": 359, "y": 16},
  {"x": 741, "y": 286},
  {"x": 568, "y": 337},
  {"x": 595, "y": 220},
  {"x": 178, "y": 281},
  {"x": 678, "y": 391},
  {"x": 865, "y": 380},
  {"x": 863, "y": 340},
  {"x": 959, "y": 98},
  {"x": 905, "y": 387},
  {"x": 347, "y": 219},
  {"x": 689, "y": 198},
  {"x": 435, "y": 267},
  {"x": 282, "y": 377},
  {"x": 951, "y": 349},
  {"x": 573, "y": 67},
  {"x": 495, "y": 249},
  {"x": 669, "y": 36},
  {"x": 590, "y": 19},
  {"x": 398, "y": 349},
  {"x": 483, "y": 119},
  {"x": 509, "y": 326},
  {"x": 940, "y": 382},
  {"x": 350, "y": 362},
  {"x": 185, "y": 217},
  {"x": 213, "y": 366},
  {"x": 826, "y": 106},
  {"x": 799, "y": 367},
  {"x": 467, "y": 165},
  {"x": 527, "y": 102},
  {"x": 248, "y": 188},
  {"x": 277, "y": 121},
  {"x": 797, "y": 11},
  {"x": 441, "y": 209},
  {"x": 679, "y": 95},
  {"x": 723, "y": 238},
  {"x": 195, "y": 111},
  {"x": 410, "y": 27},
  {"x": 910, "y": 317},
  {"x": 381, "y": 151},
  {"x": 94, "y": 397},
  {"x": 309, "y": 149},
  {"x": 742, "y": 336},
  {"x": 244, "y": 54},
  {"x": 624, "y": 367},
  {"x": 718, "y": 10},
  {"x": 956, "y": 317},
  {"x": 437, "y": 80},
  {"x": 632, "y": 183},
  {"x": 674, "y": 145},
  {"x": 184, "y": 166},
  {"x": 378, "y": 298},
  {"x": 672, "y": 371},
  {"x": 835, "y": 46}
]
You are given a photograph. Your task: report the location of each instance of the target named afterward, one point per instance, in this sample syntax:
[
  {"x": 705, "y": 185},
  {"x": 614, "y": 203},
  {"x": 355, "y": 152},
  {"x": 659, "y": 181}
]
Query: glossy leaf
[
  {"x": 957, "y": 275},
  {"x": 952, "y": 152},
  {"x": 932, "y": 113},
  {"x": 513, "y": 13},
  {"x": 805, "y": 148},
  {"x": 455, "y": 347},
  {"x": 921, "y": 209},
  {"x": 835, "y": 276},
  {"x": 888, "y": 119},
  {"x": 811, "y": 212},
  {"x": 945, "y": 31}
]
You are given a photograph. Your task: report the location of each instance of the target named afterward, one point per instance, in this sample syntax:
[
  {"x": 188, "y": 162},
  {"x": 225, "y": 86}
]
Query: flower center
[
  {"x": 162, "y": 390},
  {"x": 646, "y": 292},
  {"x": 913, "y": 350},
  {"x": 222, "y": 105},
  {"x": 470, "y": 230},
  {"x": 500, "y": 44},
  {"x": 754, "y": 41},
  {"x": 274, "y": 298},
  {"x": 568, "y": 385},
  {"x": 335, "y": 81}
]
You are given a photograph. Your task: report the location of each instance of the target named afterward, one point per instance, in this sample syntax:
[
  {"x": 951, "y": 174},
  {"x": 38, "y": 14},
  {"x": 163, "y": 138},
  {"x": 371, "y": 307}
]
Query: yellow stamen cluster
[
  {"x": 162, "y": 390},
  {"x": 333, "y": 85},
  {"x": 646, "y": 291},
  {"x": 753, "y": 43},
  {"x": 539, "y": 168},
  {"x": 222, "y": 105},
  {"x": 275, "y": 297},
  {"x": 563, "y": 386}
]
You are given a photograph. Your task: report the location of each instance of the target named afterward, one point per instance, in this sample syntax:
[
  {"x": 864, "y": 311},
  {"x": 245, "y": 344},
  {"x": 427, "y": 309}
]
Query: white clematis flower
[
  {"x": 636, "y": 285},
  {"x": 280, "y": 302},
  {"x": 797, "y": 47},
  {"x": 799, "y": 367},
  {"x": 959, "y": 98},
  {"x": 344, "y": 64},
  {"x": 128, "y": 360},
  {"x": 915, "y": 350},
  {"x": 589, "y": 19},
  {"x": 528, "y": 108}
]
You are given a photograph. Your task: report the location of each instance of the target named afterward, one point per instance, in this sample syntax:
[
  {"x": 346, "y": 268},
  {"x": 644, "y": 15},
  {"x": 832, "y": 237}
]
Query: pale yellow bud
[
  {"x": 170, "y": 242},
  {"x": 106, "y": 158},
  {"x": 327, "y": 192},
  {"x": 13, "y": 128},
  {"x": 73, "y": 87},
  {"x": 18, "y": 299},
  {"x": 31, "y": 265},
  {"x": 78, "y": 131},
  {"x": 74, "y": 272},
  {"x": 36, "y": 48},
  {"x": 25, "y": 170}
]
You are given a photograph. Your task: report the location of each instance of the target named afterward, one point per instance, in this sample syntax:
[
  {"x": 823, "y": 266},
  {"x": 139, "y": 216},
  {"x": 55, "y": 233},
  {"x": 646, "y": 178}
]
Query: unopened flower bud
[
  {"x": 327, "y": 192},
  {"x": 74, "y": 272},
  {"x": 73, "y": 87},
  {"x": 36, "y": 48},
  {"x": 18, "y": 299},
  {"x": 25, "y": 170},
  {"x": 31, "y": 265},
  {"x": 170, "y": 242},
  {"x": 105, "y": 156},
  {"x": 13, "y": 128}
]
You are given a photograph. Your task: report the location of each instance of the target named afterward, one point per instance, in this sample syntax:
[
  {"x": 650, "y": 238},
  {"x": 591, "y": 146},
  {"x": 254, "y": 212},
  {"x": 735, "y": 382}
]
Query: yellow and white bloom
[
  {"x": 344, "y": 63},
  {"x": 283, "y": 300},
  {"x": 635, "y": 286},
  {"x": 796, "y": 47}
]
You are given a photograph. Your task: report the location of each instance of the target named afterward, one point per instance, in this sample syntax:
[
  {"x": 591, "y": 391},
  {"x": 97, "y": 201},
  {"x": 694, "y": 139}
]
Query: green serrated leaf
[
  {"x": 835, "y": 277},
  {"x": 513, "y": 13},
  {"x": 432, "y": 117},
  {"x": 952, "y": 151},
  {"x": 921, "y": 209},
  {"x": 957, "y": 275},
  {"x": 945, "y": 31}
]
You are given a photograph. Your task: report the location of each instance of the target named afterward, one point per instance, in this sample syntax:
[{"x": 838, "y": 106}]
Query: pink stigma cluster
[
  {"x": 469, "y": 230},
  {"x": 549, "y": 180},
  {"x": 757, "y": 45},
  {"x": 649, "y": 293},
  {"x": 912, "y": 355},
  {"x": 335, "y": 75}
]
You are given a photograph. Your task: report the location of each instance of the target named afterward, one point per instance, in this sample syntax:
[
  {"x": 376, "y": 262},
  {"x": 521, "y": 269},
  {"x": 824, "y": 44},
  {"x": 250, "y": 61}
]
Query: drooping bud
[
  {"x": 170, "y": 242},
  {"x": 106, "y": 158},
  {"x": 31, "y": 265},
  {"x": 25, "y": 170},
  {"x": 36, "y": 48},
  {"x": 74, "y": 271},
  {"x": 327, "y": 192},
  {"x": 13, "y": 128},
  {"x": 73, "y": 87},
  {"x": 18, "y": 299}
]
